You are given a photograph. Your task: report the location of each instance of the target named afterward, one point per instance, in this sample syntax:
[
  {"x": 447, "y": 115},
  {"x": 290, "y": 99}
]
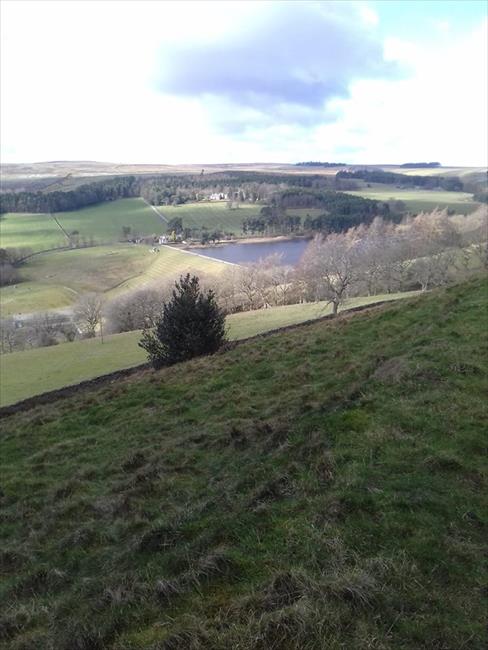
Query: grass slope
[
  {"x": 213, "y": 215},
  {"x": 27, "y": 373},
  {"x": 54, "y": 280},
  {"x": 170, "y": 263},
  {"x": 317, "y": 489},
  {"x": 103, "y": 222},
  {"x": 35, "y": 231}
]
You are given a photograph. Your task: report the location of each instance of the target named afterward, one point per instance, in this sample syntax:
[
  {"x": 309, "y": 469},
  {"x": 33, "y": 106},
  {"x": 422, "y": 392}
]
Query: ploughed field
[{"x": 319, "y": 488}]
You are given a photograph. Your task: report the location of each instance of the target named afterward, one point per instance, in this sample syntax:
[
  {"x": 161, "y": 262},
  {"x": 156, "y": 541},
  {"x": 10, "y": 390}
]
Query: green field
[
  {"x": 36, "y": 231},
  {"x": 55, "y": 279},
  {"x": 170, "y": 263},
  {"x": 420, "y": 200},
  {"x": 320, "y": 489},
  {"x": 26, "y": 373},
  {"x": 102, "y": 222},
  {"x": 212, "y": 215}
]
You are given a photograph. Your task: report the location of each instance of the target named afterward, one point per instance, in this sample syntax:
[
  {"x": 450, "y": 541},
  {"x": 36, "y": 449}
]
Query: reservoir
[{"x": 290, "y": 250}]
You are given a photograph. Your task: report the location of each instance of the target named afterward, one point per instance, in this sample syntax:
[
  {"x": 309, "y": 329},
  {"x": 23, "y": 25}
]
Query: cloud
[{"x": 282, "y": 63}]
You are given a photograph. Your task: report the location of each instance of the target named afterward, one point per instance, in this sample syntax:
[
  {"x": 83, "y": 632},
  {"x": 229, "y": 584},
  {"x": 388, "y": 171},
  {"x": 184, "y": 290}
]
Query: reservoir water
[{"x": 290, "y": 250}]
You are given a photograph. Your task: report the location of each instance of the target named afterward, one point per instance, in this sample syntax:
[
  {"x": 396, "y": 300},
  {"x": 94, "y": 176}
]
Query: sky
[{"x": 359, "y": 82}]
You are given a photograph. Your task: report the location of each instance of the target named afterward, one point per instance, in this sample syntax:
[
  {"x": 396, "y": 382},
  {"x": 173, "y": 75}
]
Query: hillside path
[{"x": 160, "y": 215}]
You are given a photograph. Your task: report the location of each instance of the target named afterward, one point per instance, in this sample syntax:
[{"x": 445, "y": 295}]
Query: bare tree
[
  {"x": 136, "y": 310},
  {"x": 331, "y": 266},
  {"x": 249, "y": 284},
  {"x": 8, "y": 335},
  {"x": 433, "y": 242},
  {"x": 88, "y": 313}
]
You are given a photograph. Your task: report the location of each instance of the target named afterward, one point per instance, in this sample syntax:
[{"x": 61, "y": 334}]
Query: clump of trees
[
  {"x": 136, "y": 310},
  {"x": 39, "y": 331},
  {"x": 120, "y": 187},
  {"x": 317, "y": 163},
  {"x": 191, "y": 325},
  {"x": 341, "y": 211},
  {"x": 9, "y": 261}
]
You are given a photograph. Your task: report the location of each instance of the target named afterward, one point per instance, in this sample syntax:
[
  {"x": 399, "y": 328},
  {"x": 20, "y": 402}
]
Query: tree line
[
  {"x": 449, "y": 183},
  {"x": 79, "y": 197},
  {"x": 174, "y": 189},
  {"x": 159, "y": 190}
]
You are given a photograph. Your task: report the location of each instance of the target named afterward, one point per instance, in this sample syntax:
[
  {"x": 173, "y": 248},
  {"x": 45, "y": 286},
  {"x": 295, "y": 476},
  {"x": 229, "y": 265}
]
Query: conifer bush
[{"x": 191, "y": 325}]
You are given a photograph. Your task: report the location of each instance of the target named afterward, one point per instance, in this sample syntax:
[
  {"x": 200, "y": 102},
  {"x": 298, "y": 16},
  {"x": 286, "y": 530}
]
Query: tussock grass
[
  {"x": 29, "y": 372},
  {"x": 322, "y": 488}
]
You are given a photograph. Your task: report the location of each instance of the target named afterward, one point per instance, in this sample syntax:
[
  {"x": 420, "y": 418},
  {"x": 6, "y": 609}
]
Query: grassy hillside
[
  {"x": 103, "y": 222},
  {"x": 27, "y": 373},
  {"x": 170, "y": 263},
  {"x": 36, "y": 231},
  {"x": 213, "y": 215},
  {"x": 317, "y": 489},
  {"x": 55, "y": 279}
]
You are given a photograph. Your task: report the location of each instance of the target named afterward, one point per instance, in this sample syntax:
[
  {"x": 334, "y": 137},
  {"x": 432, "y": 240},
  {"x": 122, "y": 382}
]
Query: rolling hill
[{"x": 321, "y": 488}]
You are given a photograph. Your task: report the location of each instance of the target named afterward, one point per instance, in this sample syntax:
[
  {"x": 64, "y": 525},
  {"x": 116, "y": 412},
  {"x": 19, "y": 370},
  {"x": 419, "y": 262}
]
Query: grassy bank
[
  {"x": 322, "y": 488},
  {"x": 27, "y": 373},
  {"x": 57, "y": 279}
]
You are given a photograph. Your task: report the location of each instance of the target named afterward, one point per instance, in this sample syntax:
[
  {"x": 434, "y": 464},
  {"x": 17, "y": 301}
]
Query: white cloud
[{"x": 78, "y": 82}]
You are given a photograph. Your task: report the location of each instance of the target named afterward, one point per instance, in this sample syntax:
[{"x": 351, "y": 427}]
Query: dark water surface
[{"x": 291, "y": 251}]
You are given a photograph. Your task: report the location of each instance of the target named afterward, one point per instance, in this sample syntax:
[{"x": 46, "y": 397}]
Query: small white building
[{"x": 218, "y": 196}]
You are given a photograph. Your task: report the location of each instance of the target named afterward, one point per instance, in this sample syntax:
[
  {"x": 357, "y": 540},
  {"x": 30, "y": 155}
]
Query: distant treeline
[
  {"x": 452, "y": 184},
  {"x": 174, "y": 189},
  {"x": 421, "y": 165},
  {"x": 117, "y": 188},
  {"x": 340, "y": 212},
  {"x": 317, "y": 163}
]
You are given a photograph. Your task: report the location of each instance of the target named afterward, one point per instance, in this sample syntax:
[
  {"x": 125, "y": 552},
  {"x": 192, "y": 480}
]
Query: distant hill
[
  {"x": 421, "y": 165},
  {"x": 320, "y": 488}
]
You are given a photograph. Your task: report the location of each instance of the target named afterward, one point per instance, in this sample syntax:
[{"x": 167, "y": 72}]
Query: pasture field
[
  {"x": 104, "y": 221},
  {"x": 55, "y": 279},
  {"x": 23, "y": 374},
  {"x": 170, "y": 263},
  {"x": 35, "y": 231},
  {"x": 322, "y": 488},
  {"x": 420, "y": 200},
  {"x": 213, "y": 215}
]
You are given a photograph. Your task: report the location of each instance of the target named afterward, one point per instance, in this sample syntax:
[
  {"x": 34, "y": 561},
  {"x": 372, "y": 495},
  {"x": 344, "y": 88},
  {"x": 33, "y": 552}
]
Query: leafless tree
[
  {"x": 433, "y": 241},
  {"x": 331, "y": 266},
  {"x": 249, "y": 284},
  {"x": 88, "y": 313},
  {"x": 8, "y": 335},
  {"x": 136, "y": 310}
]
